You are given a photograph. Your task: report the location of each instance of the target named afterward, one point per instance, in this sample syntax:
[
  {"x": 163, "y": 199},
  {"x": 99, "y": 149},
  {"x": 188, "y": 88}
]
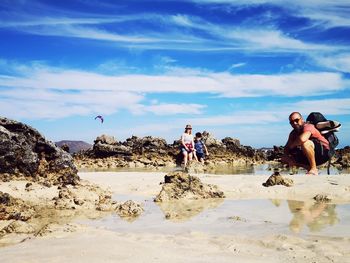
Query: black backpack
[{"x": 327, "y": 128}]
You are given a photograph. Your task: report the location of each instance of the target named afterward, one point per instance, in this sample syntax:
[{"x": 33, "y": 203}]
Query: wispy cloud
[
  {"x": 276, "y": 113},
  {"x": 339, "y": 62},
  {"x": 324, "y": 13},
  {"x": 61, "y": 92},
  {"x": 222, "y": 84},
  {"x": 237, "y": 65},
  {"x": 202, "y": 36},
  {"x": 169, "y": 109}
]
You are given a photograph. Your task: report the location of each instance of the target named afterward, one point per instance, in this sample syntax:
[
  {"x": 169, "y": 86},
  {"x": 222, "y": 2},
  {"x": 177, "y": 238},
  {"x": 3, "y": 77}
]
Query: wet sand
[{"x": 252, "y": 224}]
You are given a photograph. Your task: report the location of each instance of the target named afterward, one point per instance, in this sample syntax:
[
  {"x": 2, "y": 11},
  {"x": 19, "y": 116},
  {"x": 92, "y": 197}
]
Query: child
[{"x": 200, "y": 148}]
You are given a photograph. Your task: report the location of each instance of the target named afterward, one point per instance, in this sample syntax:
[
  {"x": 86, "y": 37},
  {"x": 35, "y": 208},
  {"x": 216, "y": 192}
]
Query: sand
[{"x": 252, "y": 224}]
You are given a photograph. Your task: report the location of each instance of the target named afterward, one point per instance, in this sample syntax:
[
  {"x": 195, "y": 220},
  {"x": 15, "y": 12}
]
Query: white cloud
[
  {"x": 252, "y": 38},
  {"x": 169, "y": 109},
  {"x": 55, "y": 93},
  {"x": 237, "y": 65},
  {"x": 246, "y": 125},
  {"x": 223, "y": 84},
  {"x": 51, "y": 104},
  {"x": 277, "y": 112},
  {"x": 174, "y": 36},
  {"x": 339, "y": 62}
]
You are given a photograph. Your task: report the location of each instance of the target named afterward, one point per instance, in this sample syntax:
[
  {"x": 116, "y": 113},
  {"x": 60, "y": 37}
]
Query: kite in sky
[{"x": 99, "y": 117}]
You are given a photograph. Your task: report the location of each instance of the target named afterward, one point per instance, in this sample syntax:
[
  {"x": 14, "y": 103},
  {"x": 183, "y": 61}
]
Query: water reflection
[
  {"x": 315, "y": 215},
  {"x": 276, "y": 202},
  {"x": 183, "y": 210},
  {"x": 261, "y": 169}
]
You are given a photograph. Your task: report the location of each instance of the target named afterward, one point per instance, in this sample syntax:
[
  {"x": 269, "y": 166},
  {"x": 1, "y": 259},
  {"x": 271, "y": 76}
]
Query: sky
[{"x": 232, "y": 68}]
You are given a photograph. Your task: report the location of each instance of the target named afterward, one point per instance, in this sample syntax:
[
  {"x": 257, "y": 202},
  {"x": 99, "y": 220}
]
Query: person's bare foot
[{"x": 312, "y": 172}]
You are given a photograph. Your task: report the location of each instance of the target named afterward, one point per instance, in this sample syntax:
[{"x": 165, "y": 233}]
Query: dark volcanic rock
[
  {"x": 106, "y": 145},
  {"x": 153, "y": 152},
  {"x": 24, "y": 152},
  {"x": 179, "y": 185},
  {"x": 343, "y": 157}
]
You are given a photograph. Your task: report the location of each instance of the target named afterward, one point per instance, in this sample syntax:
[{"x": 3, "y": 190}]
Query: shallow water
[
  {"x": 262, "y": 169},
  {"x": 221, "y": 216}
]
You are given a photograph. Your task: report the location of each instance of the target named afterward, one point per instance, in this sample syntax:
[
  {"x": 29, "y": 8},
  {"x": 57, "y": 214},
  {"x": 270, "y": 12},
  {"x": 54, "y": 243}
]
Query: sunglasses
[{"x": 294, "y": 121}]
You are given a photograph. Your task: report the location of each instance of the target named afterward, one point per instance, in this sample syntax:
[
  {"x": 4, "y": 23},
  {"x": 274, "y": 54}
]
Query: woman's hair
[
  {"x": 198, "y": 135},
  {"x": 188, "y": 129}
]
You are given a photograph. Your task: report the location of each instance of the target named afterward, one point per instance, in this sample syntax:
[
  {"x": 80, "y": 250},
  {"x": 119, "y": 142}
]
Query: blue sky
[{"x": 233, "y": 68}]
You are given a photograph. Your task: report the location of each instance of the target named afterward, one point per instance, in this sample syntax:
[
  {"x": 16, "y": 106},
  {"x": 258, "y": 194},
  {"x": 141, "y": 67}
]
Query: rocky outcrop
[
  {"x": 180, "y": 185},
  {"x": 277, "y": 179},
  {"x": 105, "y": 146},
  {"x": 155, "y": 153},
  {"x": 40, "y": 184},
  {"x": 343, "y": 158},
  {"x": 25, "y": 153}
]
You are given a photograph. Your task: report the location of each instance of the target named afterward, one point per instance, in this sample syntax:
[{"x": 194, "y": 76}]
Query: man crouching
[{"x": 306, "y": 147}]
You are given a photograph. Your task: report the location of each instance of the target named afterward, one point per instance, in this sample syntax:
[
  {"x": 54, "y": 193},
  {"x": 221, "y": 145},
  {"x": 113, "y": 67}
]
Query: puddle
[{"x": 220, "y": 216}]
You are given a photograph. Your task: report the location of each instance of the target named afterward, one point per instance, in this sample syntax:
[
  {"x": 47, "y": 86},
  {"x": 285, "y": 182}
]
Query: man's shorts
[{"x": 321, "y": 154}]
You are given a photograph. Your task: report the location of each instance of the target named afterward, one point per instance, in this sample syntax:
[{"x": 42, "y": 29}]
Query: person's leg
[
  {"x": 190, "y": 156},
  {"x": 295, "y": 160},
  {"x": 195, "y": 155},
  {"x": 185, "y": 157},
  {"x": 288, "y": 159},
  {"x": 308, "y": 148}
]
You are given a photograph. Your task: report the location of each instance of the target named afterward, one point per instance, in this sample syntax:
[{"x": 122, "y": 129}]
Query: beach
[{"x": 252, "y": 223}]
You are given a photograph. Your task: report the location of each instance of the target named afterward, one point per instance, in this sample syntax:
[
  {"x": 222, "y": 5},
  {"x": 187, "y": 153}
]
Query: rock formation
[
  {"x": 277, "y": 179},
  {"x": 25, "y": 153},
  {"x": 153, "y": 152},
  {"x": 180, "y": 185},
  {"x": 29, "y": 160}
]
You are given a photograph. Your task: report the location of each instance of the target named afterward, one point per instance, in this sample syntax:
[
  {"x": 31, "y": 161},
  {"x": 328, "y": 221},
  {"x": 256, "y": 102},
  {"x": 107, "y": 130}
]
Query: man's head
[{"x": 296, "y": 121}]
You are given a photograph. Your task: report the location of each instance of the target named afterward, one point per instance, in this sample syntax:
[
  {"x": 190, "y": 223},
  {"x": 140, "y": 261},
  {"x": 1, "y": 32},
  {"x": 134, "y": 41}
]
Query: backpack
[{"x": 327, "y": 128}]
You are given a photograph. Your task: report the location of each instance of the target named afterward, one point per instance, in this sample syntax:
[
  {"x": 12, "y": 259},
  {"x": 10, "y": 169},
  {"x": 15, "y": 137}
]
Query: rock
[
  {"x": 14, "y": 208},
  {"x": 18, "y": 227},
  {"x": 322, "y": 198},
  {"x": 84, "y": 196},
  {"x": 129, "y": 209},
  {"x": 342, "y": 158},
  {"x": 106, "y": 139},
  {"x": 24, "y": 152},
  {"x": 178, "y": 185},
  {"x": 277, "y": 179},
  {"x": 153, "y": 152},
  {"x": 209, "y": 140},
  {"x": 65, "y": 147},
  {"x": 104, "y": 150},
  {"x": 231, "y": 143}
]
